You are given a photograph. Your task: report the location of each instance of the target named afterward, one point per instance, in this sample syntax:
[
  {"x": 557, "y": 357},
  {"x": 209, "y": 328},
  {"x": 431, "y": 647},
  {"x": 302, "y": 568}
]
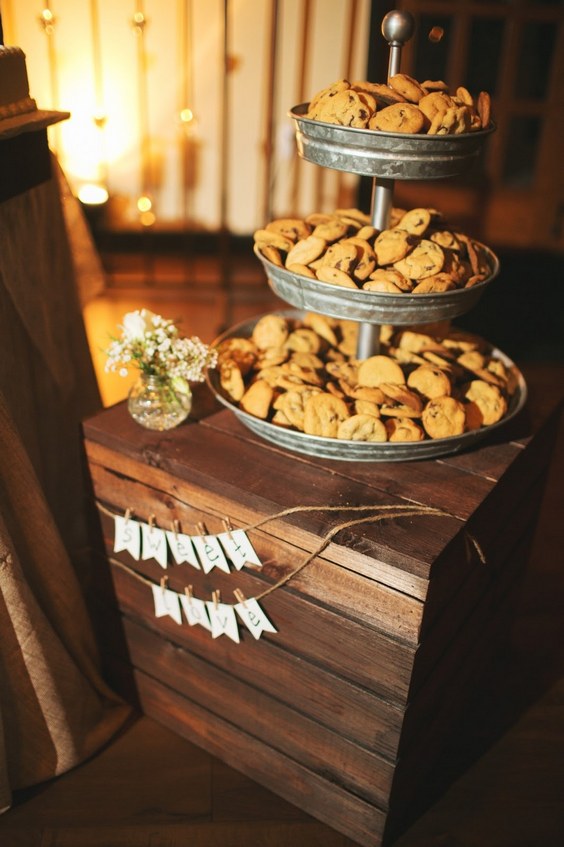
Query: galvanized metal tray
[
  {"x": 389, "y": 155},
  {"x": 373, "y": 306},
  {"x": 361, "y": 451}
]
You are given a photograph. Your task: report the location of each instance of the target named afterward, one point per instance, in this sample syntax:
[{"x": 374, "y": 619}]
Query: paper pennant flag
[
  {"x": 182, "y": 549},
  {"x": 127, "y": 536},
  {"x": 166, "y": 603},
  {"x": 239, "y": 548},
  {"x": 195, "y": 611},
  {"x": 154, "y": 544},
  {"x": 223, "y": 620},
  {"x": 254, "y": 618},
  {"x": 210, "y": 553}
]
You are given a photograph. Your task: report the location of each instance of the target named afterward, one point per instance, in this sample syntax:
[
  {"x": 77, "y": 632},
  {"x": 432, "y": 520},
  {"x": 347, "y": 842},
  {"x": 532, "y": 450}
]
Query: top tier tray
[{"x": 387, "y": 155}]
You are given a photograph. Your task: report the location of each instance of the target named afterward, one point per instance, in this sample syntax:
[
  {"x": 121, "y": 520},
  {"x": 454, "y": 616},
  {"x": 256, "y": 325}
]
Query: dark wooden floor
[{"x": 150, "y": 788}]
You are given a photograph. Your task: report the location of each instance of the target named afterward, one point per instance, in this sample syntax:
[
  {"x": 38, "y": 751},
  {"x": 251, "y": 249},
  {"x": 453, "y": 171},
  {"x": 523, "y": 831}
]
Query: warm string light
[
  {"x": 139, "y": 21},
  {"x": 323, "y": 173},
  {"x": 145, "y": 209},
  {"x": 304, "y": 59},
  {"x": 99, "y": 117},
  {"x": 185, "y": 112},
  {"x": 47, "y": 21},
  {"x": 268, "y": 151}
]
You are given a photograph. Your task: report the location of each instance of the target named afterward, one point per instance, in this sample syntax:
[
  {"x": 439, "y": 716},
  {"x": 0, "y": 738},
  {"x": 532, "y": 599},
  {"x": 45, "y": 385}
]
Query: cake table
[{"x": 352, "y": 707}]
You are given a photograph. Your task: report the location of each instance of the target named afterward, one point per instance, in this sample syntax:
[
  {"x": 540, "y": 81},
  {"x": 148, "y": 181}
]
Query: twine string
[
  {"x": 325, "y": 541},
  {"x": 387, "y": 512},
  {"x": 399, "y": 507}
]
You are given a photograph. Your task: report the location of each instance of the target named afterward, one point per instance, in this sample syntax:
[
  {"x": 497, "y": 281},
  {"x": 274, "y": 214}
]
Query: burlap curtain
[{"x": 55, "y": 710}]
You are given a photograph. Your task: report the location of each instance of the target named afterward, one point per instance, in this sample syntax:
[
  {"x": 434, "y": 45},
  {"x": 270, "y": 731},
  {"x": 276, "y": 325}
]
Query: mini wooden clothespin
[
  {"x": 164, "y": 581},
  {"x": 151, "y": 521},
  {"x": 227, "y": 525},
  {"x": 215, "y": 597},
  {"x": 175, "y": 528},
  {"x": 240, "y": 597},
  {"x": 128, "y": 513},
  {"x": 201, "y": 527},
  {"x": 188, "y": 592}
]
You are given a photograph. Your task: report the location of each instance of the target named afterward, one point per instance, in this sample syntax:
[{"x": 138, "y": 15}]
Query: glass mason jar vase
[{"x": 155, "y": 404}]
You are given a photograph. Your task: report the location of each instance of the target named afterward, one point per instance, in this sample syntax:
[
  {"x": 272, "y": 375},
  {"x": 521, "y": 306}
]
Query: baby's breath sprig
[{"x": 152, "y": 344}]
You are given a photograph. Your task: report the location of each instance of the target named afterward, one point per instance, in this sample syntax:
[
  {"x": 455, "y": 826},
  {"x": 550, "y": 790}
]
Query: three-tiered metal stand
[{"x": 386, "y": 157}]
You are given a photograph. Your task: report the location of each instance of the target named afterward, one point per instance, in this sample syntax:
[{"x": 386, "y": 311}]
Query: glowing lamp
[{"x": 93, "y": 195}]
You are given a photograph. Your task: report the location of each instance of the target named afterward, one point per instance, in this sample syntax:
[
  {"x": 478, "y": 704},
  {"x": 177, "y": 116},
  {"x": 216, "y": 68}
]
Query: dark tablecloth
[{"x": 55, "y": 710}]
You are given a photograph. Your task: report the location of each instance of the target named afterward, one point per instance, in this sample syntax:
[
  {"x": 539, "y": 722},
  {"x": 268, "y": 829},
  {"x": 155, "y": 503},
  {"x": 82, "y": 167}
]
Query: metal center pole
[
  {"x": 397, "y": 28},
  {"x": 368, "y": 343}
]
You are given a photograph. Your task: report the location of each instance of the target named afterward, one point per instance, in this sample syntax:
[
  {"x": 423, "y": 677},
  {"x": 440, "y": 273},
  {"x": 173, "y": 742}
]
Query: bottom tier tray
[{"x": 363, "y": 451}]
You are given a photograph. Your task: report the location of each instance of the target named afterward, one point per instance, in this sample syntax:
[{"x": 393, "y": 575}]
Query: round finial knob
[{"x": 398, "y": 27}]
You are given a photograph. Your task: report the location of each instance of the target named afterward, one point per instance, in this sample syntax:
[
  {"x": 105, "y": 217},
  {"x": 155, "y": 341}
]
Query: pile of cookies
[
  {"x": 418, "y": 254},
  {"x": 403, "y": 105},
  {"x": 302, "y": 374}
]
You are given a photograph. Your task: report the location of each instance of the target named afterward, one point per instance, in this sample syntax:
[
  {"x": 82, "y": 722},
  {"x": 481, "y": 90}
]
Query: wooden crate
[{"x": 353, "y": 709}]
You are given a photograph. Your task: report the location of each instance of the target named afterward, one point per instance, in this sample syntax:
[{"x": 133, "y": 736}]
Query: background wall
[
  {"x": 128, "y": 70},
  {"x": 179, "y": 107}
]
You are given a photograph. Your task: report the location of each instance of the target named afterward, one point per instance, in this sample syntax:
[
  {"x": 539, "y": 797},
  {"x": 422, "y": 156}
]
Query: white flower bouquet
[
  {"x": 167, "y": 363},
  {"x": 152, "y": 344}
]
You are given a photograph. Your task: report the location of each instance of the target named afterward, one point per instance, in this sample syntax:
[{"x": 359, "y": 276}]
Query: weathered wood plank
[
  {"x": 450, "y": 570},
  {"x": 427, "y": 482},
  {"x": 343, "y": 707},
  {"x": 298, "y": 736},
  {"x": 436, "y": 685},
  {"x": 204, "y": 458},
  {"x": 373, "y": 551},
  {"x": 343, "y": 811},
  {"x": 355, "y": 596},
  {"x": 443, "y": 606},
  {"x": 489, "y": 462},
  {"x": 351, "y": 651},
  {"x": 439, "y": 753}
]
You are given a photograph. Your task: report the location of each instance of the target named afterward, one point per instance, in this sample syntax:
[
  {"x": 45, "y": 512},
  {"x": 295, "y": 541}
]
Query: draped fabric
[
  {"x": 55, "y": 709},
  {"x": 46, "y": 373},
  {"x": 89, "y": 272}
]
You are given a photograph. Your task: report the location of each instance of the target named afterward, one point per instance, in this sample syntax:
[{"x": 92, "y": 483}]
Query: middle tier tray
[{"x": 374, "y": 307}]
